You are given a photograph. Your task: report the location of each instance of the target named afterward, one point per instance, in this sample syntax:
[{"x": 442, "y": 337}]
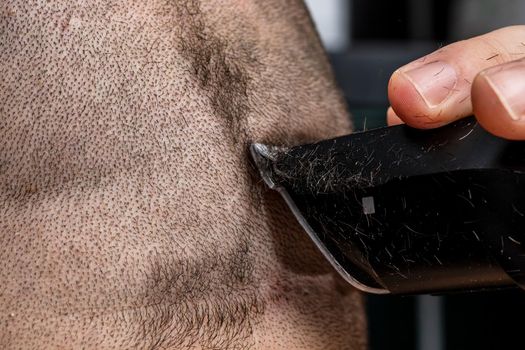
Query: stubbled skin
[{"x": 130, "y": 216}]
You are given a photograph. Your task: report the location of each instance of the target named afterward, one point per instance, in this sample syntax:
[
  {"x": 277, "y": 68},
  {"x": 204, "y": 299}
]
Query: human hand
[{"x": 484, "y": 76}]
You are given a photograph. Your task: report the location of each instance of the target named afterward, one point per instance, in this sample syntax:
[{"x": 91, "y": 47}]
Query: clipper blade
[{"x": 404, "y": 211}]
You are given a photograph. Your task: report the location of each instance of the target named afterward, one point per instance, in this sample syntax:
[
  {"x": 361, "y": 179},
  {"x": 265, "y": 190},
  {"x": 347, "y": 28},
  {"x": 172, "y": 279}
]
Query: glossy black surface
[{"x": 414, "y": 211}]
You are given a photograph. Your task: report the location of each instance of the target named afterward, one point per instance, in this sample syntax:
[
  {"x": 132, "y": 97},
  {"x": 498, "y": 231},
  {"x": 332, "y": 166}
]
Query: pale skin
[
  {"x": 130, "y": 214},
  {"x": 484, "y": 76}
]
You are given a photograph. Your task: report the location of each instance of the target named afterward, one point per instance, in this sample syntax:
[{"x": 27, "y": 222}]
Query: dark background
[{"x": 384, "y": 35}]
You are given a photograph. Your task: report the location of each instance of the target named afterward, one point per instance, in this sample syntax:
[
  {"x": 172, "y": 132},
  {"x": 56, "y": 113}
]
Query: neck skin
[{"x": 131, "y": 215}]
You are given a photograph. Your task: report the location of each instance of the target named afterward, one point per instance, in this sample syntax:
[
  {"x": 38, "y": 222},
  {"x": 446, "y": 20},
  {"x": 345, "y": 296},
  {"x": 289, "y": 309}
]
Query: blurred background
[{"x": 366, "y": 41}]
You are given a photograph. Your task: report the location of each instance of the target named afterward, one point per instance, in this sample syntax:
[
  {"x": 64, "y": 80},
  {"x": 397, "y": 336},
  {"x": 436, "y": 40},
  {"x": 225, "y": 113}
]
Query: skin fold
[{"x": 130, "y": 214}]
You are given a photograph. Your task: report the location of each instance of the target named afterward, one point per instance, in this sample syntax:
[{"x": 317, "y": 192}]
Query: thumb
[{"x": 436, "y": 89}]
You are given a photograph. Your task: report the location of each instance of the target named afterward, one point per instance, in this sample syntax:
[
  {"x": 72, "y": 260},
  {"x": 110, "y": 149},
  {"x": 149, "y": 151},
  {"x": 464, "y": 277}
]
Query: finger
[
  {"x": 435, "y": 90},
  {"x": 392, "y": 118},
  {"x": 498, "y": 98}
]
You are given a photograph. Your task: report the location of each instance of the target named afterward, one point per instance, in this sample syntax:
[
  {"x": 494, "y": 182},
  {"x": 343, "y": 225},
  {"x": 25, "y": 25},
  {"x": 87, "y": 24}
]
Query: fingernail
[
  {"x": 508, "y": 82},
  {"x": 435, "y": 81}
]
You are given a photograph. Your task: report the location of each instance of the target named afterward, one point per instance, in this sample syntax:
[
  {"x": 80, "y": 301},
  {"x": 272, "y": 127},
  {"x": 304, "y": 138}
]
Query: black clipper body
[{"x": 405, "y": 211}]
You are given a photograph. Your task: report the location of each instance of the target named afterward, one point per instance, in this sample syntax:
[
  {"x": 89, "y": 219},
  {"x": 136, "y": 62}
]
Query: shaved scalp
[
  {"x": 222, "y": 76},
  {"x": 130, "y": 216}
]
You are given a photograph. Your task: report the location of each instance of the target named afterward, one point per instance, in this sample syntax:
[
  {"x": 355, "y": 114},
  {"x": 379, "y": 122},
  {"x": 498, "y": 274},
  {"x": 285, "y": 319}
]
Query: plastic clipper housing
[{"x": 406, "y": 211}]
